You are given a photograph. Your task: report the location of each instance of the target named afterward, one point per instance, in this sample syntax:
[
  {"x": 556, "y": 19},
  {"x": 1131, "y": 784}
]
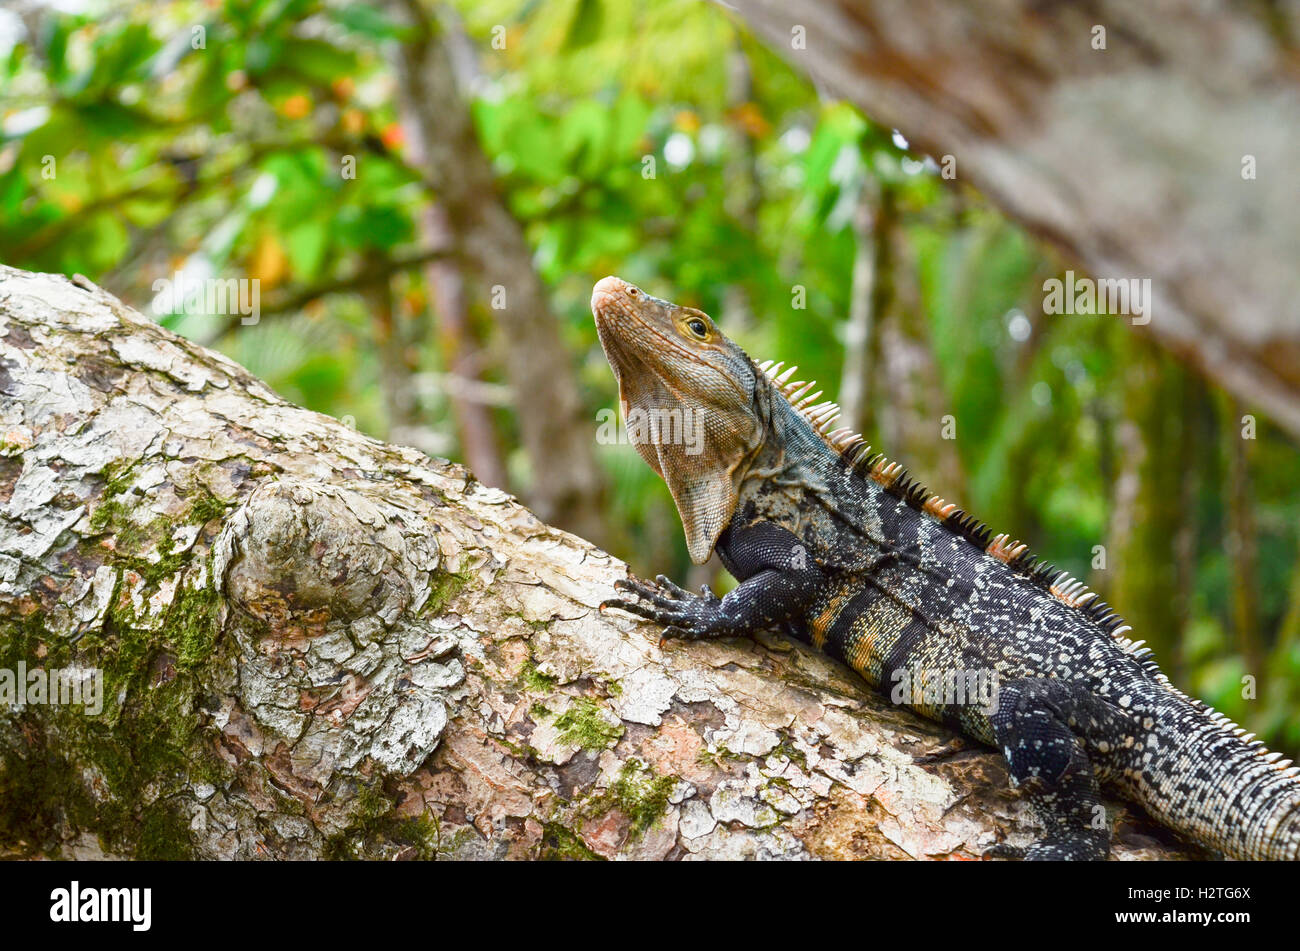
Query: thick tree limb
[
  {"x": 315, "y": 644},
  {"x": 1131, "y": 158}
]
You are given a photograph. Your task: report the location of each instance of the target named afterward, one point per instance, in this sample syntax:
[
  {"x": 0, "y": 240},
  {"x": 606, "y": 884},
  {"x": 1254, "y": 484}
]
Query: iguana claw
[{"x": 685, "y": 616}]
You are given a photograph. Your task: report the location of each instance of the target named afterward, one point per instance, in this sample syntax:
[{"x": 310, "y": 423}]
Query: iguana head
[{"x": 688, "y": 400}]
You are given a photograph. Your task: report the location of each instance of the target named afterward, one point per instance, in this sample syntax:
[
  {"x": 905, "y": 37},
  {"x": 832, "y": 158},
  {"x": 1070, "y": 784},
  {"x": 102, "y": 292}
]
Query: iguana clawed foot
[
  {"x": 1004, "y": 851},
  {"x": 1074, "y": 848},
  {"x": 684, "y": 615}
]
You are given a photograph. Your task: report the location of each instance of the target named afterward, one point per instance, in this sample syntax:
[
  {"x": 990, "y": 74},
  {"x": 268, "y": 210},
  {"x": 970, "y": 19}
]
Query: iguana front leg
[{"x": 779, "y": 584}]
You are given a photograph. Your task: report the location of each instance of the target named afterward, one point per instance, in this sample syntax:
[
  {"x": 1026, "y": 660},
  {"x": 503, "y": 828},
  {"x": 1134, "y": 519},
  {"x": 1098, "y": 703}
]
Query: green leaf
[
  {"x": 320, "y": 378},
  {"x": 368, "y": 21},
  {"x": 584, "y": 25},
  {"x": 306, "y": 247},
  {"x": 317, "y": 60}
]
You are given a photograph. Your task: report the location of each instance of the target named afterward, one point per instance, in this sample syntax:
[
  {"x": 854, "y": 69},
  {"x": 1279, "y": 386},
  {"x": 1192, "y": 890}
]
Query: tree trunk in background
[
  {"x": 397, "y": 375},
  {"x": 1142, "y": 575},
  {"x": 1130, "y": 158},
  {"x": 461, "y": 348},
  {"x": 1196, "y": 407},
  {"x": 1282, "y": 697},
  {"x": 910, "y": 401},
  {"x": 1242, "y": 544},
  {"x": 566, "y": 486},
  {"x": 314, "y": 644},
  {"x": 461, "y": 354},
  {"x": 743, "y": 197},
  {"x": 859, "y": 332}
]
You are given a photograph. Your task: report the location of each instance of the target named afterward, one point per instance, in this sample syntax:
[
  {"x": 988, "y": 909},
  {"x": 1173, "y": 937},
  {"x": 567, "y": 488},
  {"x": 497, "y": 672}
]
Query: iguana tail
[{"x": 1215, "y": 785}]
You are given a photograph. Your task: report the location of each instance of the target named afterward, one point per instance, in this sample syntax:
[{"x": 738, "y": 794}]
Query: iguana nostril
[{"x": 607, "y": 290}]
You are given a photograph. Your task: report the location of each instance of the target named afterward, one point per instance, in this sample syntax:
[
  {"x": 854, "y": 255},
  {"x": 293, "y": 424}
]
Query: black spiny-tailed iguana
[{"x": 837, "y": 546}]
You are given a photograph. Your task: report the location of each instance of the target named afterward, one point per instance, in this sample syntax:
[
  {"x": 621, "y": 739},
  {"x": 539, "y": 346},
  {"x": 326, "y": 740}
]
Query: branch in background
[
  {"x": 366, "y": 277},
  {"x": 44, "y": 237},
  {"x": 470, "y": 389}
]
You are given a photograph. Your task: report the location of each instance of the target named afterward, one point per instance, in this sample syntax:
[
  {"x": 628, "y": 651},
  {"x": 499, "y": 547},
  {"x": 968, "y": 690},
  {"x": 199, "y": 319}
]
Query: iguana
[{"x": 837, "y": 546}]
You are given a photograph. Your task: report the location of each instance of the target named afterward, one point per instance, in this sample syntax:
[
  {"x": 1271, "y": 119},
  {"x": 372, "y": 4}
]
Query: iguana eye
[{"x": 698, "y": 327}]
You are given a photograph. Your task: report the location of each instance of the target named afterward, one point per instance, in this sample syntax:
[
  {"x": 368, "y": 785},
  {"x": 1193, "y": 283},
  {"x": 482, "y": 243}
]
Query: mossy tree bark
[{"x": 315, "y": 644}]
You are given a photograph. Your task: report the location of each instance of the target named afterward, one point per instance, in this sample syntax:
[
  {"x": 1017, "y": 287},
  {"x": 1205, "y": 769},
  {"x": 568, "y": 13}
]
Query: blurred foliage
[{"x": 224, "y": 160}]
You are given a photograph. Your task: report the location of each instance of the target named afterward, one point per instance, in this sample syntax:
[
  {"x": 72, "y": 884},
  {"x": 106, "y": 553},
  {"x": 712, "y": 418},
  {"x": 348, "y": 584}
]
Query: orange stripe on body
[
  {"x": 873, "y": 636},
  {"x": 821, "y": 624}
]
